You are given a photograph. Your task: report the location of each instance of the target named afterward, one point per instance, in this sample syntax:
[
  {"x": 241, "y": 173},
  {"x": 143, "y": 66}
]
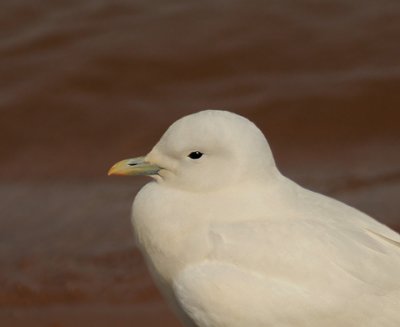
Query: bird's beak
[{"x": 133, "y": 167}]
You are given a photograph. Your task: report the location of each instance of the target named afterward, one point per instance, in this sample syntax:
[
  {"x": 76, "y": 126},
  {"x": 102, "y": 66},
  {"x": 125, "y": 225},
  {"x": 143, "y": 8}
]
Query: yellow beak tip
[
  {"x": 111, "y": 171},
  {"x": 118, "y": 169}
]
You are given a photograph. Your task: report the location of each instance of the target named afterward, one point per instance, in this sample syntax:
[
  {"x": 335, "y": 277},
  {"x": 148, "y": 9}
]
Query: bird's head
[{"x": 207, "y": 150}]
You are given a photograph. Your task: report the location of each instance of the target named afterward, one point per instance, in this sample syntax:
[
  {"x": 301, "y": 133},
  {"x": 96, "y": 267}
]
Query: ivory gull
[{"x": 231, "y": 242}]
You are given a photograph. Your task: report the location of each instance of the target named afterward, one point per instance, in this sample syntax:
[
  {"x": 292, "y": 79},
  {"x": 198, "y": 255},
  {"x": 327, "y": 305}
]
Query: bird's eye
[{"x": 195, "y": 155}]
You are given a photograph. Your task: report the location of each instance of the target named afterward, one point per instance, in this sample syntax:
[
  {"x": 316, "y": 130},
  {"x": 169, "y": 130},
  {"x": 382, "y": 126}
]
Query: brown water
[{"x": 86, "y": 83}]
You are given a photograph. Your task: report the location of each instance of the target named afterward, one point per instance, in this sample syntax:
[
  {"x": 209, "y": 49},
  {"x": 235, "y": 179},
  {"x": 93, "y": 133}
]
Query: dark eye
[{"x": 195, "y": 155}]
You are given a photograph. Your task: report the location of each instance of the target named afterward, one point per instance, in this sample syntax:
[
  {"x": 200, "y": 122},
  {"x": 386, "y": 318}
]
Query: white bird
[{"x": 231, "y": 242}]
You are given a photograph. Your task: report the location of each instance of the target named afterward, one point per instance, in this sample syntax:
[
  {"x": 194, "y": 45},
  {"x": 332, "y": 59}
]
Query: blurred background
[{"x": 87, "y": 83}]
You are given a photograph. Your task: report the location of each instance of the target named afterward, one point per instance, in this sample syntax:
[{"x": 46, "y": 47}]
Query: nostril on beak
[{"x": 132, "y": 164}]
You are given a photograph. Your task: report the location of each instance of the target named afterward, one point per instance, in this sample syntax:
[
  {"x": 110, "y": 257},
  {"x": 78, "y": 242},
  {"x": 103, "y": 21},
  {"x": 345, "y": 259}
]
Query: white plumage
[{"x": 233, "y": 243}]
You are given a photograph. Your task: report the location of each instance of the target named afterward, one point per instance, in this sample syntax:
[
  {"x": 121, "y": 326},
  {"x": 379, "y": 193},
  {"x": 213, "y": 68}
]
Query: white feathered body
[{"x": 268, "y": 254}]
